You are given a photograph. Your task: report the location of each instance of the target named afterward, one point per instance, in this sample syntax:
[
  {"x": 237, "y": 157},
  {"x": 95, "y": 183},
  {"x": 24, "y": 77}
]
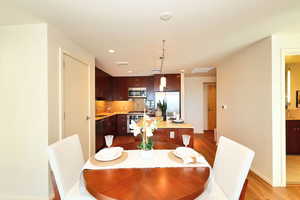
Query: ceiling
[{"x": 199, "y": 34}]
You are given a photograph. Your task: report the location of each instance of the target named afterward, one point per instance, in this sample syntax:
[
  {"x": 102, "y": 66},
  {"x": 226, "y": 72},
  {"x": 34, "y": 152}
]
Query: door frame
[
  {"x": 63, "y": 52},
  {"x": 282, "y": 137}
]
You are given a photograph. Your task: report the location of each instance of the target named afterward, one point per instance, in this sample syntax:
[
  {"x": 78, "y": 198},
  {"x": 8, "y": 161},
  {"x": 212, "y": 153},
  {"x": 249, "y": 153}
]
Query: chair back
[
  {"x": 66, "y": 161},
  {"x": 231, "y": 167}
]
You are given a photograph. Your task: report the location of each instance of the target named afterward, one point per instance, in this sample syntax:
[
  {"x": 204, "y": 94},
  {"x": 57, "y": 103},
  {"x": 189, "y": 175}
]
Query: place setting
[{"x": 110, "y": 155}]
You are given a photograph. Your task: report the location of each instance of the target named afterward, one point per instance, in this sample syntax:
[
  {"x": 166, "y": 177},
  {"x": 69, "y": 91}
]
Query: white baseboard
[{"x": 262, "y": 177}]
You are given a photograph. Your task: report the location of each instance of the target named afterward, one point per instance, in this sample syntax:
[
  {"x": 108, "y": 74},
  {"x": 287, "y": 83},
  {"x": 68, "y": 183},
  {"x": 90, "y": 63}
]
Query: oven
[
  {"x": 137, "y": 92},
  {"x": 133, "y": 117}
]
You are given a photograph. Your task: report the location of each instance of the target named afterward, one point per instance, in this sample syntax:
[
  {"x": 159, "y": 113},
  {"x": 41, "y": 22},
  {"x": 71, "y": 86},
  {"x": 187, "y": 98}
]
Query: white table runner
[{"x": 159, "y": 159}]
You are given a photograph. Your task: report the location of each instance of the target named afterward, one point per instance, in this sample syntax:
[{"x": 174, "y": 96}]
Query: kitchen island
[{"x": 170, "y": 132}]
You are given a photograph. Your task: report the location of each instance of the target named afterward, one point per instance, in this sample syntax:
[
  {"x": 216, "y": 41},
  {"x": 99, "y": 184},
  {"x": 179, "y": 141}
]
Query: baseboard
[
  {"x": 262, "y": 177},
  {"x": 23, "y": 198}
]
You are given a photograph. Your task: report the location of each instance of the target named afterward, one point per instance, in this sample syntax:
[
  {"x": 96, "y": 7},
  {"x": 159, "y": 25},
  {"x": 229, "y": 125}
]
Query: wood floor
[
  {"x": 257, "y": 188},
  {"x": 293, "y": 169}
]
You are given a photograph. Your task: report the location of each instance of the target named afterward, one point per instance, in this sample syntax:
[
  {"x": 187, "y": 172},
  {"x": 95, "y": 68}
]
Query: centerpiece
[{"x": 146, "y": 129}]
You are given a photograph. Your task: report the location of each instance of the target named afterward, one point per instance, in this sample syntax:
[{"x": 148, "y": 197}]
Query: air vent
[
  {"x": 156, "y": 70},
  {"x": 122, "y": 63},
  {"x": 202, "y": 69}
]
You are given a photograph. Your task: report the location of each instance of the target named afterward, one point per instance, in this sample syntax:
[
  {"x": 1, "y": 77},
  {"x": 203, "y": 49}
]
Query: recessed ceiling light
[
  {"x": 111, "y": 51},
  {"x": 182, "y": 70},
  {"x": 165, "y": 16},
  {"x": 129, "y": 71}
]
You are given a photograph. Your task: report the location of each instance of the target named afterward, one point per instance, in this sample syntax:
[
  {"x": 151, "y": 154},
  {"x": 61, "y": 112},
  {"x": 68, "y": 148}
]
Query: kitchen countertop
[
  {"x": 109, "y": 114},
  {"x": 167, "y": 124}
]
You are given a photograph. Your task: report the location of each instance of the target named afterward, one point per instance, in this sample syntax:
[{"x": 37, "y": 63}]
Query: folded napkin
[{"x": 189, "y": 155}]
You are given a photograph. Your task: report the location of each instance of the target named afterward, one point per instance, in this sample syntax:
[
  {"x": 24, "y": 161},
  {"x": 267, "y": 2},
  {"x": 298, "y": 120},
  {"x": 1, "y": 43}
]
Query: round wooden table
[{"x": 183, "y": 183}]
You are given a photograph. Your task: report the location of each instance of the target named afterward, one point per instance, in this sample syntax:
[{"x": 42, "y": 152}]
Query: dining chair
[
  {"x": 66, "y": 161},
  {"x": 230, "y": 170}
]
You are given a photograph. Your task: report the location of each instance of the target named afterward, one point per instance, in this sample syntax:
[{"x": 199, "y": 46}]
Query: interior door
[
  {"x": 76, "y": 101},
  {"x": 211, "y": 93}
]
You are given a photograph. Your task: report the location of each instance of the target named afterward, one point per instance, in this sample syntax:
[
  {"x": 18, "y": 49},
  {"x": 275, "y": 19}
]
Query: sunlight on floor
[{"x": 293, "y": 169}]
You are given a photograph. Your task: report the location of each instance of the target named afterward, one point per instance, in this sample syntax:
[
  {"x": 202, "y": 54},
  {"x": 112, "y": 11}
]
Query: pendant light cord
[{"x": 162, "y": 58}]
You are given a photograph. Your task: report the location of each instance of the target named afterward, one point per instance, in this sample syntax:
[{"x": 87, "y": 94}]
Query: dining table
[{"x": 156, "y": 178}]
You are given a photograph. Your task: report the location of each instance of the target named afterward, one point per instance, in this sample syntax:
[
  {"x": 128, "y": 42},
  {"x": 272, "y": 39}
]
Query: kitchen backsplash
[{"x": 114, "y": 106}]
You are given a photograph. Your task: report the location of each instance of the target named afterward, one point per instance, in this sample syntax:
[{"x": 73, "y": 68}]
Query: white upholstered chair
[
  {"x": 231, "y": 167},
  {"x": 66, "y": 161}
]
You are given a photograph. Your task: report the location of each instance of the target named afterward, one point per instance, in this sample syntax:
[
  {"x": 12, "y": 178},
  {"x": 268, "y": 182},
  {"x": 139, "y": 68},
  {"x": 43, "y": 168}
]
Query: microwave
[{"x": 137, "y": 92}]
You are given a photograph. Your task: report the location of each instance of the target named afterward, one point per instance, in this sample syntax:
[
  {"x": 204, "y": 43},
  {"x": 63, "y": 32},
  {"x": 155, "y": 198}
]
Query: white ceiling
[{"x": 200, "y": 33}]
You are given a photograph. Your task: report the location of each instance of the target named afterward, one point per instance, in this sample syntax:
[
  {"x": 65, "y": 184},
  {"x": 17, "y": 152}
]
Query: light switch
[{"x": 172, "y": 134}]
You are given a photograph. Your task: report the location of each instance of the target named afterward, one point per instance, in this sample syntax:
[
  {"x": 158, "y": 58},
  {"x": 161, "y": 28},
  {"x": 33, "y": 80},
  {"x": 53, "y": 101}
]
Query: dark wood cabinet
[
  {"x": 114, "y": 125},
  {"x": 99, "y": 135},
  {"x": 122, "y": 125},
  {"x": 163, "y": 135},
  {"x": 173, "y": 82},
  {"x": 293, "y": 136},
  {"x": 120, "y": 88},
  {"x": 103, "y": 85}
]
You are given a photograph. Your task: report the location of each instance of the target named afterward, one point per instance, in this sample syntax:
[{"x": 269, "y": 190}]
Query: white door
[{"x": 76, "y": 101}]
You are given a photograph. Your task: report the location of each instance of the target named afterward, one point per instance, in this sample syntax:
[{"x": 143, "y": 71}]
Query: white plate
[
  {"x": 184, "y": 152},
  {"x": 109, "y": 154}
]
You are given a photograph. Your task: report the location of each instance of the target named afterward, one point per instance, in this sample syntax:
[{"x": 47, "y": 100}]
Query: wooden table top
[{"x": 183, "y": 183}]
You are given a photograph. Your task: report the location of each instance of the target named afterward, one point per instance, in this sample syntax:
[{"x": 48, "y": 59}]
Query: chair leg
[{"x": 243, "y": 193}]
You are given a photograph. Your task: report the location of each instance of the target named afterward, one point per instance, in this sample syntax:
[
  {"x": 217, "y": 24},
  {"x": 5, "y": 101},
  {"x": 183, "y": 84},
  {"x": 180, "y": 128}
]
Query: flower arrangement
[{"x": 146, "y": 130}]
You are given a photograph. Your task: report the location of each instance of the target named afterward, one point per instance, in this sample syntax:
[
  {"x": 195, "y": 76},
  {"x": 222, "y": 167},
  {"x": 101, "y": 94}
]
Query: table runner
[{"x": 159, "y": 159}]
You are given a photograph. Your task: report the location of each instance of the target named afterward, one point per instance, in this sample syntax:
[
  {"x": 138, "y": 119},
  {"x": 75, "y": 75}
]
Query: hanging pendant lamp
[{"x": 163, "y": 79}]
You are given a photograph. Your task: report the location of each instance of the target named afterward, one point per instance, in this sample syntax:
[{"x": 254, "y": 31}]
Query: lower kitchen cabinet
[
  {"x": 122, "y": 125},
  {"x": 115, "y": 125},
  {"x": 293, "y": 136}
]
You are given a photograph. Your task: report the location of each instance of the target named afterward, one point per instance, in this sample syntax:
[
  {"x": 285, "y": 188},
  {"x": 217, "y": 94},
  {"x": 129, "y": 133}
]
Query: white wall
[
  {"x": 24, "y": 113},
  {"x": 245, "y": 86},
  {"x": 193, "y": 101},
  {"x": 57, "y": 41}
]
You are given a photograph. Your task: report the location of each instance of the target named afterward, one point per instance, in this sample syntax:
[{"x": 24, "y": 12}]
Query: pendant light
[{"x": 163, "y": 79}]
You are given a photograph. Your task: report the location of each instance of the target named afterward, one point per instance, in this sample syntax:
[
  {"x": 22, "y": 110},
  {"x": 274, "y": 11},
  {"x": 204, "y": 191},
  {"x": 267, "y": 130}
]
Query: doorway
[
  {"x": 76, "y": 101},
  {"x": 292, "y": 92},
  {"x": 210, "y": 107}
]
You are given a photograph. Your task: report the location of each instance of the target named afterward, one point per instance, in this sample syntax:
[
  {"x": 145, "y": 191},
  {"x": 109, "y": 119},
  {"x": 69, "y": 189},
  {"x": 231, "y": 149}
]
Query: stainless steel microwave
[{"x": 137, "y": 92}]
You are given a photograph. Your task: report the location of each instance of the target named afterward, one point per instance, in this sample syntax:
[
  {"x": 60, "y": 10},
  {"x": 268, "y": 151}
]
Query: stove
[{"x": 133, "y": 116}]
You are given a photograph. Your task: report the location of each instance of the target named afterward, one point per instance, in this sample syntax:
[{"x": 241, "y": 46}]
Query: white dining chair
[
  {"x": 66, "y": 161},
  {"x": 230, "y": 170}
]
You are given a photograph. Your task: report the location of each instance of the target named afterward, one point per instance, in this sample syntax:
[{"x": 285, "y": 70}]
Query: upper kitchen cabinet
[
  {"x": 173, "y": 82},
  {"x": 137, "y": 81},
  {"x": 120, "y": 88},
  {"x": 103, "y": 85}
]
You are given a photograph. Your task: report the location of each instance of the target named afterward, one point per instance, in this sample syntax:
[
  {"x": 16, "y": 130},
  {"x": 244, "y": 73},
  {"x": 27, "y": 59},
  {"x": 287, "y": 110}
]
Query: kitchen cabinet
[
  {"x": 137, "y": 81},
  {"x": 120, "y": 88},
  {"x": 293, "y": 136},
  {"x": 114, "y": 125},
  {"x": 122, "y": 125},
  {"x": 173, "y": 82},
  {"x": 163, "y": 135},
  {"x": 103, "y": 85},
  {"x": 100, "y": 143}
]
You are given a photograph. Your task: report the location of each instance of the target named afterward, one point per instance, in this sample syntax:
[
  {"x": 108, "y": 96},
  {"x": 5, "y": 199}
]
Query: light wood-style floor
[
  {"x": 257, "y": 188},
  {"x": 293, "y": 169}
]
